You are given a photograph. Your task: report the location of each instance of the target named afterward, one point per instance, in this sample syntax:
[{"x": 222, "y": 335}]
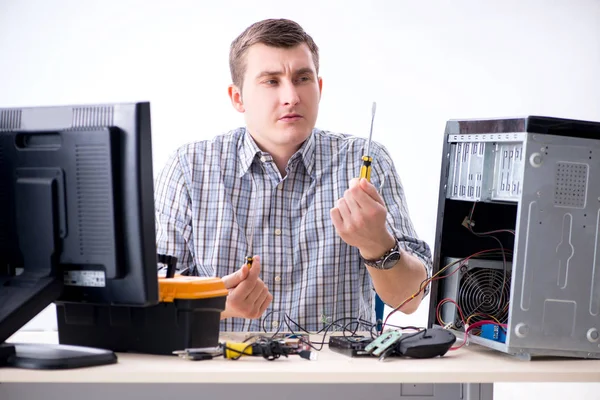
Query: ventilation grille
[
  {"x": 571, "y": 185},
  {"x": 93, "y": 200},
  {"x": 10, "y": 120},
  {"x": 89, "y": 117},
  {"x": 484, "y": 293}
]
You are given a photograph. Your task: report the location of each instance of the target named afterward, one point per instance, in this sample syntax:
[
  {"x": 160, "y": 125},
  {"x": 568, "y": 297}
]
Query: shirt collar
[
  {"x": 307, "y": 151},
  {"x": 248, "y": 150}
]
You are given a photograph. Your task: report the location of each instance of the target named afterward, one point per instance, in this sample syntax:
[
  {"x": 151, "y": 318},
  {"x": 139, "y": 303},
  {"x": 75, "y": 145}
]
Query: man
[{"x": 287, "y": 193}]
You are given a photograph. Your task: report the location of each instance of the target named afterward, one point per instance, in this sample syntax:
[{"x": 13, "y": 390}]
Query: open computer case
[{"x": 518, "y": 227}]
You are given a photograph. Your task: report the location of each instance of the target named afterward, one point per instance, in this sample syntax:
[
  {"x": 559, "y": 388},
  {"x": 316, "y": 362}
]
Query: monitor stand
[
  {"x": 6, "y": 352},
  {"x": 24, "y": 295},
  {"x": 53, "y": 356}
]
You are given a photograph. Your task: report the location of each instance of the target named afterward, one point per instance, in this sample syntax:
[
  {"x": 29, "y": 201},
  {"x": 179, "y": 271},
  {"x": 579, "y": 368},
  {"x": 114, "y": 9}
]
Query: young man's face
[{"x": 280, "y": 95}]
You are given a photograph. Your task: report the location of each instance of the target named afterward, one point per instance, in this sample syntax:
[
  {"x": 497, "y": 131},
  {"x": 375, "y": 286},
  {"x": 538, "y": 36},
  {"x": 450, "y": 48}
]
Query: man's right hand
[{"x": 248, "y": 296}]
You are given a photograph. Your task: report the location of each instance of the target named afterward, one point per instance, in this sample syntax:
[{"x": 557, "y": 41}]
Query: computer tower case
[{"x": 518, "y": 227}]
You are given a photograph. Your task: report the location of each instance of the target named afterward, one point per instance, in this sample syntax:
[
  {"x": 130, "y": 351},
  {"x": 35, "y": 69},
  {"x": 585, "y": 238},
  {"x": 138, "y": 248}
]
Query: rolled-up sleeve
[{"x": 398, "y": 218}]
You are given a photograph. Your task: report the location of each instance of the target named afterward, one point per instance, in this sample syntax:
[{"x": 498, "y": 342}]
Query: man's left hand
[{"x": 359, "y": 219}]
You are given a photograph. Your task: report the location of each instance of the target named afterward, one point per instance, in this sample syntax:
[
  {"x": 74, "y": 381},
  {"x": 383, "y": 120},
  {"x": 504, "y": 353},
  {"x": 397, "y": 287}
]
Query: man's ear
[
  {"x": 320, "y": 87},
  {"x": 235, "y": 94}
]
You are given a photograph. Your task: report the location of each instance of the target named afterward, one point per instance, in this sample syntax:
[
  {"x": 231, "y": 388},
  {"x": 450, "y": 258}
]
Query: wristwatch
[{"x": 388, "y": 260}]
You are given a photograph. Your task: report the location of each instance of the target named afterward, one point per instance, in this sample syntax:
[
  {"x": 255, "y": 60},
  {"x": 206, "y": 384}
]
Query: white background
[{"x": 423, "y": 62}]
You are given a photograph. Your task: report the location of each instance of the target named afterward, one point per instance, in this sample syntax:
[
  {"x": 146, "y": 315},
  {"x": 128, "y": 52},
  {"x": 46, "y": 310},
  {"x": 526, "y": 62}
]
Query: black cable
[
  {"x": 324, "y": 331},
  {"x": 309, "y": 342},
  {"x": 287, "y": 318},
  {"x": 346, "y": 330},
  {"x": 265, "y": 320},
  {"x": 358, "y": 323}
]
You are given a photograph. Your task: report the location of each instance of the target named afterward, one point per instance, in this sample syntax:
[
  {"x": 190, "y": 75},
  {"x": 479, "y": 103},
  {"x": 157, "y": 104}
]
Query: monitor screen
[{"x": 76, "y": 209}]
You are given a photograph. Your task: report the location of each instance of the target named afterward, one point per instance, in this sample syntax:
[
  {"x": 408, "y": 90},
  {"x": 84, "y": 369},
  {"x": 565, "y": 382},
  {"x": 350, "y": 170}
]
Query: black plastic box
[{"x": 159, "y": 329}]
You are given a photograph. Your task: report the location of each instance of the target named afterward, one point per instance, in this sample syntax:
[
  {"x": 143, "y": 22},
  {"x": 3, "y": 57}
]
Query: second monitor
[{"x": 76, "y": 209}]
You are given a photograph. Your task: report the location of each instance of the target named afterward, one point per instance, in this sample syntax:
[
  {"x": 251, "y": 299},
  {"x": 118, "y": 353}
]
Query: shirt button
[
  {"x": 278, "y": 232},
  {"x": 280, "y": 186},
  {"x": 275, "y": 324},
  {"x": 263, "y": 159},
  {"x": 277, "y": 278}
]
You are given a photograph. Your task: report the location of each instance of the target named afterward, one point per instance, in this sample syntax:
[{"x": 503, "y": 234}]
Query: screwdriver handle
[
  {"x": 235, "y": 350},
  {"x": 249, "y": 262},
  {"x": 365, "y": 169}
]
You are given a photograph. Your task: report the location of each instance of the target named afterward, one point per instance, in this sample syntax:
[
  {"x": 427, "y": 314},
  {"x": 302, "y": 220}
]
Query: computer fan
[
  {"x": 484, "y": 294},
  {"x": 481, "y": 288}
]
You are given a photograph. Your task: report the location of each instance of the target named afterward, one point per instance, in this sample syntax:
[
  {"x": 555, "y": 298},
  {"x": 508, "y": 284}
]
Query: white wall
[{"x": 423, "y": 62}]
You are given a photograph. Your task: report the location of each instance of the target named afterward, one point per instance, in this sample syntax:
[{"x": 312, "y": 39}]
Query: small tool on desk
[
  {"x": 267, "y": 348},
  {"x": 197, "y": 354},
  {"x": 365, "y": 169}
]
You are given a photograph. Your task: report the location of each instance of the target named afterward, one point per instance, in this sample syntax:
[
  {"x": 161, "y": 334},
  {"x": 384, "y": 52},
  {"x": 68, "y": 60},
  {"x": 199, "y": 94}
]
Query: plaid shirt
[{"x": 215, "y": 197}]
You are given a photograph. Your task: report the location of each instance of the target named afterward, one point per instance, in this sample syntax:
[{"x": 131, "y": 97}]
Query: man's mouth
[{"x": 290, "y": 117}]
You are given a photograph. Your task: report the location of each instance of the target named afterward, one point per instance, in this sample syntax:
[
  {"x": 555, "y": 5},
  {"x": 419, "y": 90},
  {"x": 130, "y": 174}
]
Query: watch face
[{"x": 391, "y": 260}]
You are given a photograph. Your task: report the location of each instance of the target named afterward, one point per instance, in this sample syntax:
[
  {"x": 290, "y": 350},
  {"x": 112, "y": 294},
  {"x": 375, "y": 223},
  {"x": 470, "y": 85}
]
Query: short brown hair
[{"x": 271, "y": 32}]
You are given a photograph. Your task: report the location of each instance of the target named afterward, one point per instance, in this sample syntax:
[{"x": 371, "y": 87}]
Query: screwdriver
[
  {"x": 365, "y": 169},
  {"x": 250, "y": 257},
  {"x": 251, "y": 217}
]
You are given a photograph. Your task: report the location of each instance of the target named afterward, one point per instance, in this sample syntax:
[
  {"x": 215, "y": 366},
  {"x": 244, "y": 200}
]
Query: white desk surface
[{"x": 472, "y": 364}]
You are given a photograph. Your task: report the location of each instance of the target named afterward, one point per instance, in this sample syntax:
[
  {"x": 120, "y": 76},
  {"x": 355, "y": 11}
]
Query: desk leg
[{"x": 479, "y": 391}]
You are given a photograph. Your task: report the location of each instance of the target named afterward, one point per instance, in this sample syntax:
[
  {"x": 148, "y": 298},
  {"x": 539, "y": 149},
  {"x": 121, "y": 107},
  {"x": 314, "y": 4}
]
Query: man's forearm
[{"x": 399, "y": 283}]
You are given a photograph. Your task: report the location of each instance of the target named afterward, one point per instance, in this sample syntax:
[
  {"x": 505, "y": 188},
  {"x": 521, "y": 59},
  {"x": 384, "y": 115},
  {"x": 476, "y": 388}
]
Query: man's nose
[{"x": 289, "y": 95}]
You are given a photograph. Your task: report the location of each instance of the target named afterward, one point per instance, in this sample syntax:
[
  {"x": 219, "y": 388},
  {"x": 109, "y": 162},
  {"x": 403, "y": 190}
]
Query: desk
[{"x": 473, "y": 365}]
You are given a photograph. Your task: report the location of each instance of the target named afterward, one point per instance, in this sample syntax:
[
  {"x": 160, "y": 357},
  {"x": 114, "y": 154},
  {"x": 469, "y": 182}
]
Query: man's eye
[{"x": 271, "y": 82}]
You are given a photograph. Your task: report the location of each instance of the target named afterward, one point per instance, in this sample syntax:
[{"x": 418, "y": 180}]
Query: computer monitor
[{"x": 76, "y": 209}]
